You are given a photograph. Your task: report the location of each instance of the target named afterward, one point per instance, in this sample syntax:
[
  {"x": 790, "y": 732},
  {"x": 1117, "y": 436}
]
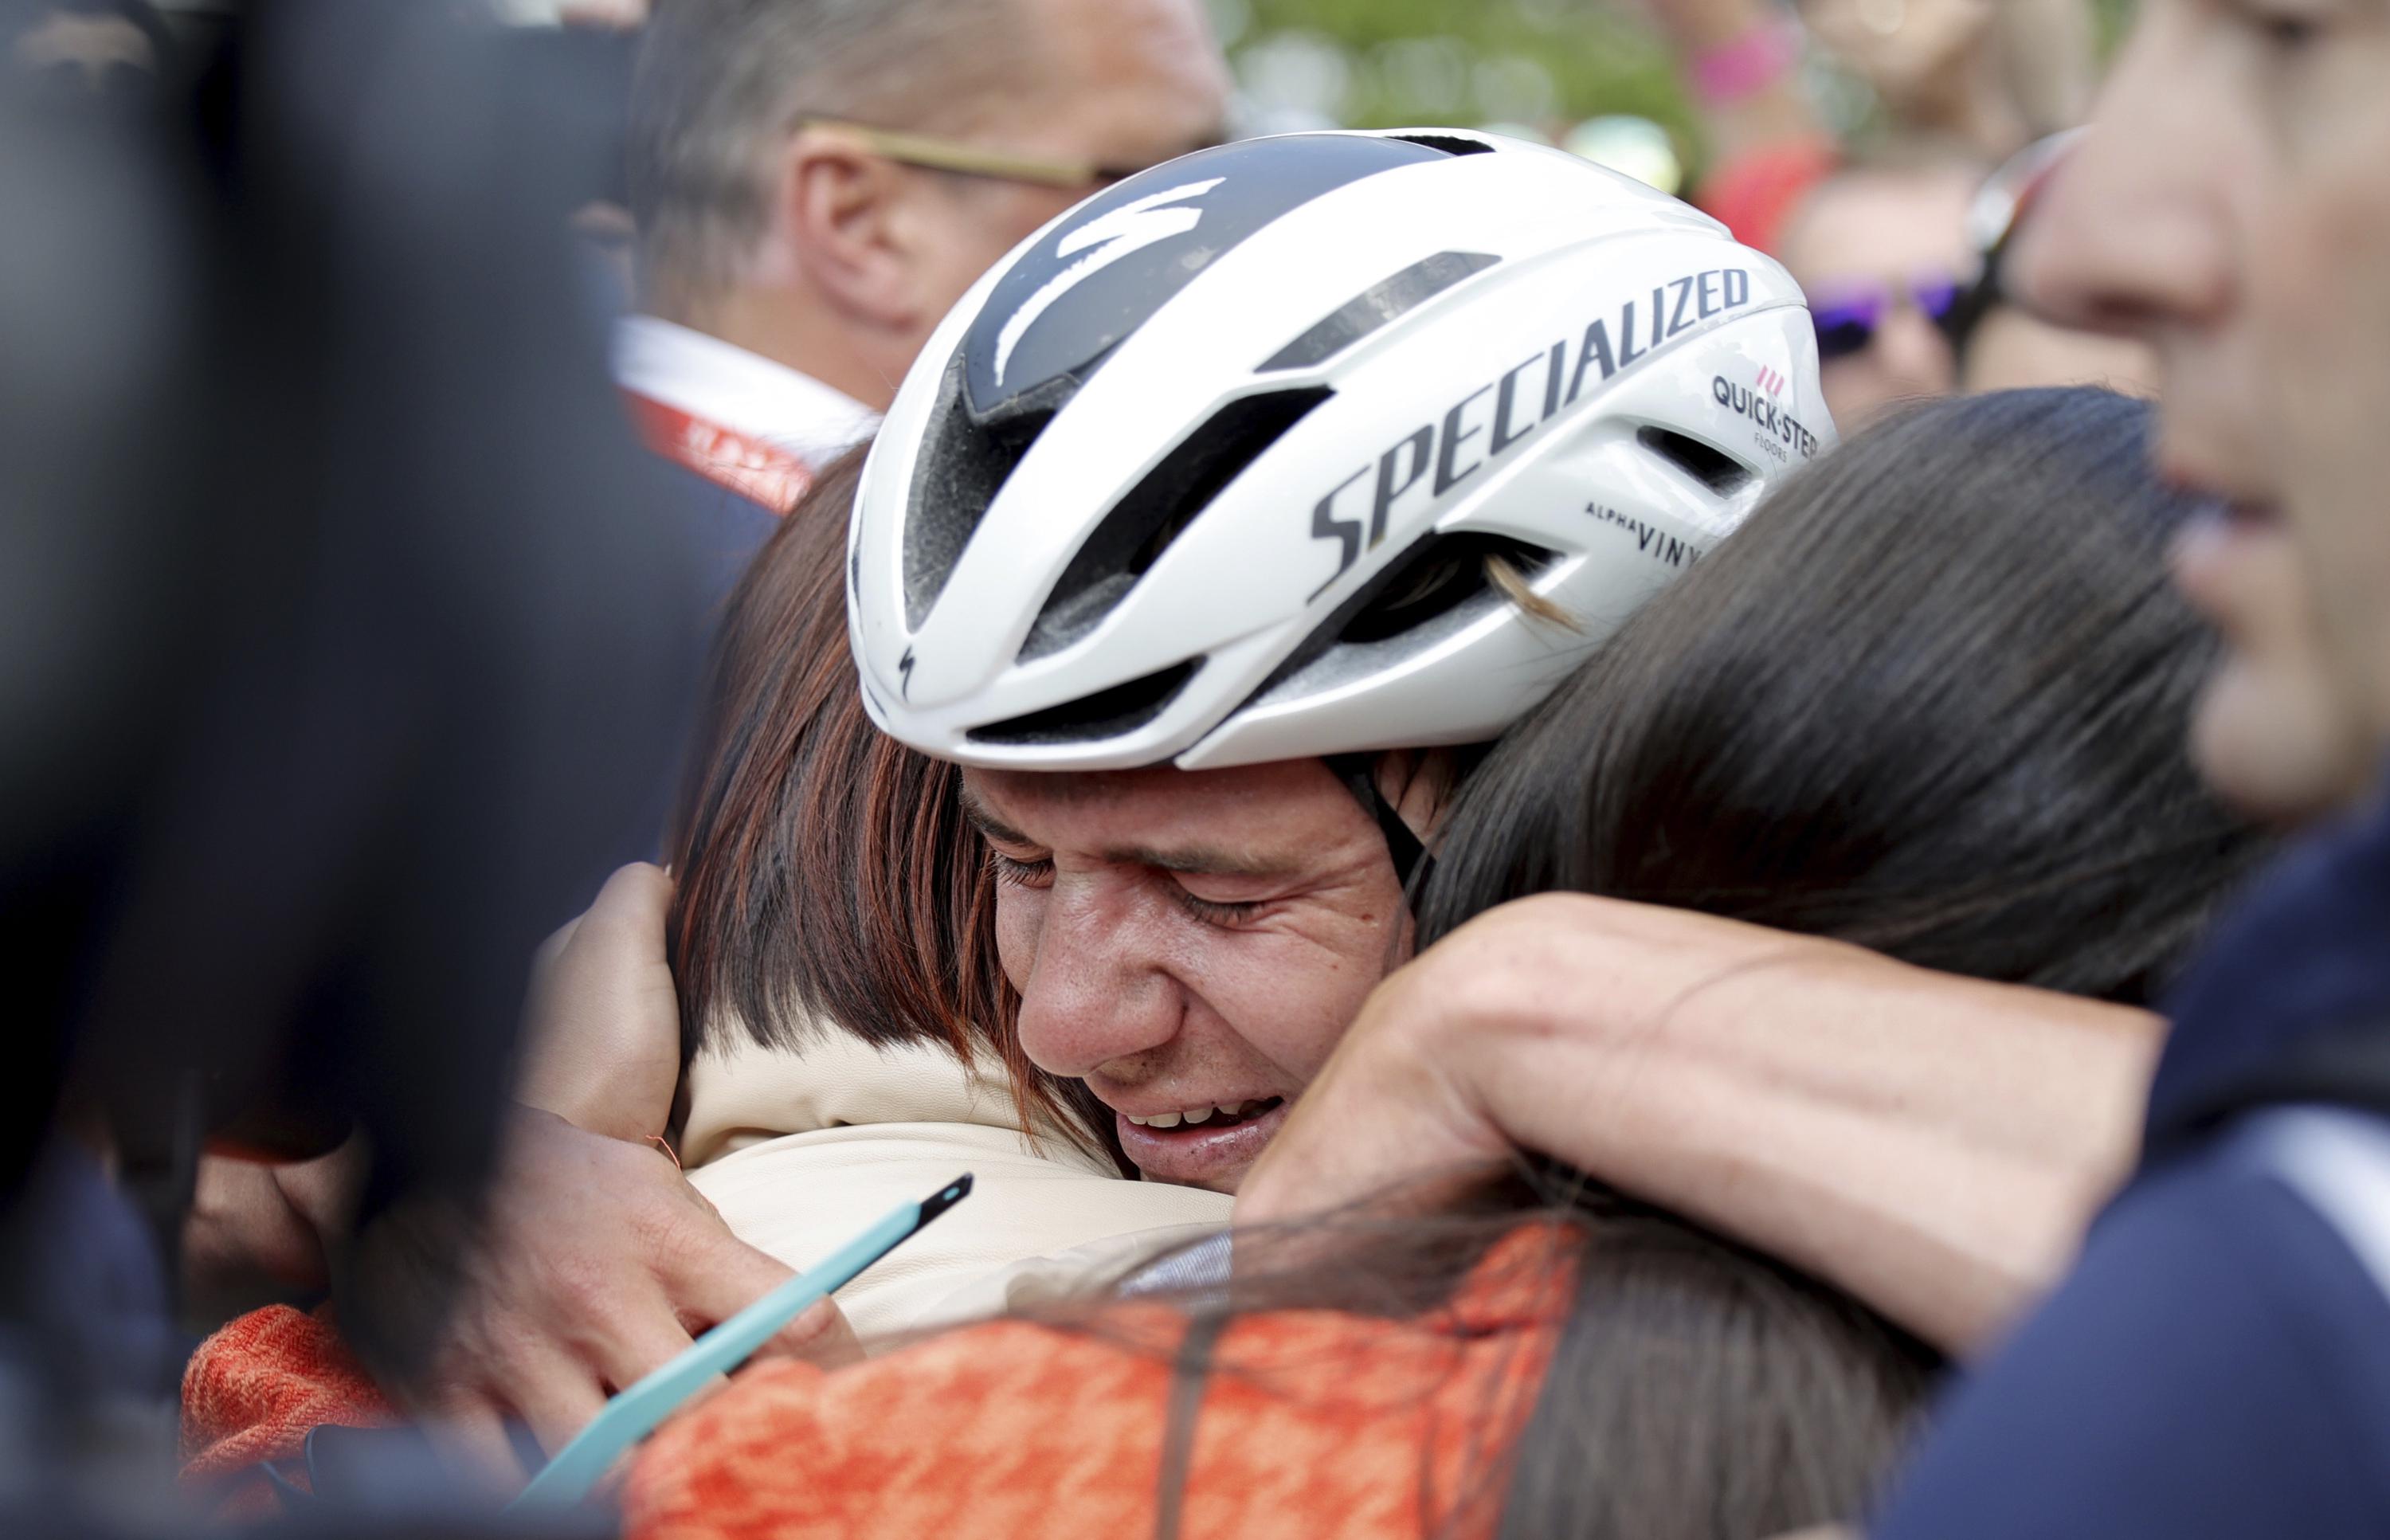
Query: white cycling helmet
[{"x": 1207, "y": 471}]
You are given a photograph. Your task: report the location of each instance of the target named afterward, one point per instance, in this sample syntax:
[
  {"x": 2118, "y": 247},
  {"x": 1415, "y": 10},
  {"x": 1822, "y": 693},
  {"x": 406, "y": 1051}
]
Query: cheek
[
  {"x": 1020, "y": 918},
  {"x": 2323, "y": 317},
  {"x": 2319, "y": 242},
  {"x": 1291, "y": 1001}
]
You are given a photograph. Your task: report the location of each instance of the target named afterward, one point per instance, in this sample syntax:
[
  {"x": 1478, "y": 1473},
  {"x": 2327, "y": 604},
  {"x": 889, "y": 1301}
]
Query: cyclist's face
[
  {"x": 2231, "y": 209},
  {"x": 1189, "y": 942}
]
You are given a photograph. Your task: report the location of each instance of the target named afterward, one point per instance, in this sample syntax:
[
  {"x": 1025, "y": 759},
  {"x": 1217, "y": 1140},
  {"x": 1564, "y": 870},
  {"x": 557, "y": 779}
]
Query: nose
[
  {"x": 1098, "y": 998},
  {"x": 2129, "y": 238}
]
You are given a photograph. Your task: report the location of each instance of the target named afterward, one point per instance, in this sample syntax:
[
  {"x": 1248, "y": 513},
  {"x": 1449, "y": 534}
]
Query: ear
[{"x": 841, "y": 221}]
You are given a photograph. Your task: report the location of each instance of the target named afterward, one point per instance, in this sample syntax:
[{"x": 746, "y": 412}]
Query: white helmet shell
[{"x": 1207, "y": 470}]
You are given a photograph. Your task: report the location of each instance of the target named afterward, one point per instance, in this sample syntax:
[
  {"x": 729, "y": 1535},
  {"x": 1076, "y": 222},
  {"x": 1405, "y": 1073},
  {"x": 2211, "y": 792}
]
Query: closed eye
[
  {"x": 1021, "y": 873},
  {"x": 1213, "y": 911}
]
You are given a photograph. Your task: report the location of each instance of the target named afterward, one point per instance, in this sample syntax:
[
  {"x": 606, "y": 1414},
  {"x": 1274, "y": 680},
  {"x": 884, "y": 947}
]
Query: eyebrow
[
  {"x": 1205, "y": 860},
  {"x": 1199, "y": 859},
  {"x": 984, "y": 820}
]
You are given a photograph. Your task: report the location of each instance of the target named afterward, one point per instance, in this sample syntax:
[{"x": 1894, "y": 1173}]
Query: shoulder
[
  {"x": 2218, "y": 1363},
  {"x": 1311, "y": 1423},
  {"x": 1004, "y": 1429}
]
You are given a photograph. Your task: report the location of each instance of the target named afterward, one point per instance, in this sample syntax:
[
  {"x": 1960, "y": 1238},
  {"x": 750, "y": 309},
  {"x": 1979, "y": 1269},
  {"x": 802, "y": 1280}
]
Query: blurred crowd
[{"x": 1618, "y": 819}]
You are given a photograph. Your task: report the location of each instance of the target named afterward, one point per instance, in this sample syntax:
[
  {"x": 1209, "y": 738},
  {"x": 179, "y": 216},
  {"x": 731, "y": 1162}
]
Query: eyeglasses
[
  {"x": 1849, "y": 316},
  {"x": 935, "y": 153}
]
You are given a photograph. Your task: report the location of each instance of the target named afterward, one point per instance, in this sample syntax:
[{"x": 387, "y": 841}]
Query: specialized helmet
[{"x": 1210, "y": 469}]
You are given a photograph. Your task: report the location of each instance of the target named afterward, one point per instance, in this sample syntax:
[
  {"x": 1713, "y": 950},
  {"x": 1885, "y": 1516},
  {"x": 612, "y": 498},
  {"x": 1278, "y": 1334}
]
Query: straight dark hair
[
  {"x": 827, "y": 879},
  {"x": 1933, "y": 699}
]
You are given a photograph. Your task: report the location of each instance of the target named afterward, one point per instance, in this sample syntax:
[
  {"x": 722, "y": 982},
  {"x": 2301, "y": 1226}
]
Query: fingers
[
  {"x": 242, "y": 1227},
  {"x": 632, "y": 903},
  {"x": 471, "y": 1437},
  {"x": 822, "y": 1336},
  {"x": 602, "y": 1035},
  {"x": 713, "y": 1275},
  {"x": 639, "y": 1343},
  {"x": 556, "y": 1396}
]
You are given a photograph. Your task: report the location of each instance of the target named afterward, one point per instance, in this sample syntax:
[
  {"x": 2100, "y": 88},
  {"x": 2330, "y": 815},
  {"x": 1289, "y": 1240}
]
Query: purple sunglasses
[{"x": 1848, "y": 317}]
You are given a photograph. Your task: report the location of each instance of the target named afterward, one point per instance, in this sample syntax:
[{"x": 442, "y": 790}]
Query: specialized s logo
[{"x": 1131, "y": 227}]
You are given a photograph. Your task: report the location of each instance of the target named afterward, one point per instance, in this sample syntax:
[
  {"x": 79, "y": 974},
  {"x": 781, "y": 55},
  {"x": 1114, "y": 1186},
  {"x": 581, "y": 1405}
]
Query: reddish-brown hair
[{"x": 827, "y": 879}]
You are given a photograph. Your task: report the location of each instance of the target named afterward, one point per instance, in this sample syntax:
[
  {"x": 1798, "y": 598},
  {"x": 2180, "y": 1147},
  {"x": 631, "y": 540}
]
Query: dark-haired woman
[{"x": 1931, "y": 700}]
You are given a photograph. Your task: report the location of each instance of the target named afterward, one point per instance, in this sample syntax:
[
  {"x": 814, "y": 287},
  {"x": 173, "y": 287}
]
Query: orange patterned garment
[
  {"x": 1312, "y": 1424},
  {"x": 252, "y": 1392}
]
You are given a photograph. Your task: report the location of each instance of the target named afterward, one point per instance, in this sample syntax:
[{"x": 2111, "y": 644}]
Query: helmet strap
[{"x": 1412, "y": 863}]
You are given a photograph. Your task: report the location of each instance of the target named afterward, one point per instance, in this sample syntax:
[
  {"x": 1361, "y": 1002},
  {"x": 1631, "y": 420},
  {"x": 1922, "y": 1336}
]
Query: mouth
[
  {"x": 2229, "y": 524},
  {"x": 2215, "y": 554},
  {"x": 2249, "y": 518},
  {"x": 1202, "y": 1146}
]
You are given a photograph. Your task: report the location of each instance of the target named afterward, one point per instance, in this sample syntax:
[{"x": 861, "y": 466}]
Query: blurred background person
[
  {"x": 1881, "y": 252},
  {"x": 816, "y": 182},
  {"x": 1782, "y": 92},
  {"x": 1984, "y": 77}
]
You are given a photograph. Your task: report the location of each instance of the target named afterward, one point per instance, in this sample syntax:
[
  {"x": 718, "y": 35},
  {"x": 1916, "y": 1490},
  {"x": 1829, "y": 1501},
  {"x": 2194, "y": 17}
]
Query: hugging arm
[
  {"x": 593, "y": 1261},
  {"x": 1932, "y": 1145},
  {"x": 597, "y": 1261}
]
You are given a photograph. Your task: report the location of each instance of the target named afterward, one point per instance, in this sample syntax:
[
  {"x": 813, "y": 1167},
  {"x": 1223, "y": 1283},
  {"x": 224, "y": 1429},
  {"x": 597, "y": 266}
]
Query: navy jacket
[{"x": 2218, "y": 1362}]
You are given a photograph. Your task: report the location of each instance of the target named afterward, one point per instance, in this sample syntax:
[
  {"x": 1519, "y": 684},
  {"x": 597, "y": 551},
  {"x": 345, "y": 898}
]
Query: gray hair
[{"x": 720, "y": 85}]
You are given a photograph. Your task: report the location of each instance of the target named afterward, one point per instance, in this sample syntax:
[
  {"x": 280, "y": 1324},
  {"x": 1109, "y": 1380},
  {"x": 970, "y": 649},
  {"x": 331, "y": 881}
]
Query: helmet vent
[
  {"x": 1445, "y": 574},
  {"x": 1154, "y": 512},
  {"x": 1092, "y": 718},
  {"x": 1720, "y": 473},
  {"x": 1444, "y": 580},
  {"x": 1451, "y": 144},
  {"x": 964, "y": 463},
  {"x": 1376, "y": 305}
]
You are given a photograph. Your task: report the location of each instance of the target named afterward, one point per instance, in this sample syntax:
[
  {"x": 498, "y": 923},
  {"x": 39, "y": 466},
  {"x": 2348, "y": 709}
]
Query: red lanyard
[{"x": 761, "y": 472}]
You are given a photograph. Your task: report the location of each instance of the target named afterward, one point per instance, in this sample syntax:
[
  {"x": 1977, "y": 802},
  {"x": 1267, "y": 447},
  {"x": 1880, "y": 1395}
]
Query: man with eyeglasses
[{"x": 816, "y": 182}]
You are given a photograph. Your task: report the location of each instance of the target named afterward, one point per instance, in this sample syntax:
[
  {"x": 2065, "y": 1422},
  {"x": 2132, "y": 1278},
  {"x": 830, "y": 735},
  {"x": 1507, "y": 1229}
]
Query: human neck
[{"x": 791, "y": 327}]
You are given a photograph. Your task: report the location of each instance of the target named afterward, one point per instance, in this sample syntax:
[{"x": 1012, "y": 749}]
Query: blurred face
[
  {"x": 1880, "y": 254},
  {"x": 2229, "y": 211},
  {"x": 1191, "y": 944},
  {"x": 1902, "y": 47},
  {"x": 1127, "y": 84}
]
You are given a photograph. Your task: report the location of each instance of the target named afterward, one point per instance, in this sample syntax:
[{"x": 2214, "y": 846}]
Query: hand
[
  {"x": 256, "y": 1229},
  {"x": 1931, "y": 1144},
  {"x": 601, "y": 1029},
  {"x": 1403, "y": 1102},
  {"x": 595, "y": 1264}
]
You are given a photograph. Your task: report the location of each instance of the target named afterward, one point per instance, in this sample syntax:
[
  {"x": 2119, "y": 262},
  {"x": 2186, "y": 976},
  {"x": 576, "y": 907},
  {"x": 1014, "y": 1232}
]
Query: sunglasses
[
  {"x": 933, "y": 152},
  {"x": 1850, "y": 314}
]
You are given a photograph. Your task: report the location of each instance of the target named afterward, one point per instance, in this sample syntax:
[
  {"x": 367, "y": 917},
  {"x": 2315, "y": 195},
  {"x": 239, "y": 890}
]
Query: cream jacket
[{"x": 799, "y": 1150}]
